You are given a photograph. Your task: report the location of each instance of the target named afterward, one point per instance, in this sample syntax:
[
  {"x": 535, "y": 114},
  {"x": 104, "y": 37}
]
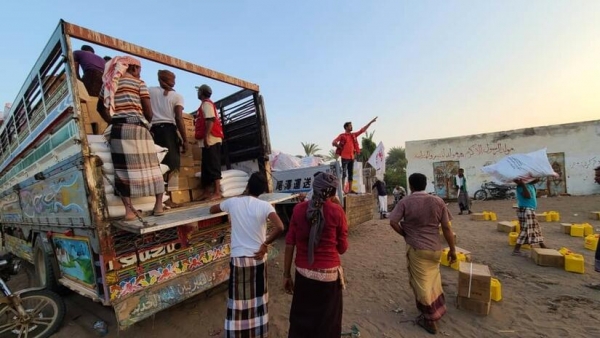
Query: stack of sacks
[
  {"x": 233, "y": 182},
  {"x": 100, "y": 148}
]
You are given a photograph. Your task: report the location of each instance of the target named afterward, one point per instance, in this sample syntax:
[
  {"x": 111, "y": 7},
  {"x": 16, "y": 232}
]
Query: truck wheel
[
  {"x": 44, "y": 272},
  {"x": 480, "y": 195}
]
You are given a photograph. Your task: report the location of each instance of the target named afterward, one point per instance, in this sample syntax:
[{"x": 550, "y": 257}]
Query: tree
[
  {"x": 368, "y": 147},
  {"x": 310, "y": 149},
  {"x": 395, "y": 167},
  {"x": 330, "y": 156}
]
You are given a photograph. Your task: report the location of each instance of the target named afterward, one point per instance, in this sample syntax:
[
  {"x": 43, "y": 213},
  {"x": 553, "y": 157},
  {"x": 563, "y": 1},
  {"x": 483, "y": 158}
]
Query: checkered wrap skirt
[
  {"x": 137, "y": 170},
  {"x": 247, "y": 310},
  {"x": 531, "y": 232}
]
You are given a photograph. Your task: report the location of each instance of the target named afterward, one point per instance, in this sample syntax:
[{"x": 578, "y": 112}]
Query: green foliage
[
  {"x": 395, "y": 168},
  {"x": 310, "y": 149},
  {"x": 368, "y": 147}
]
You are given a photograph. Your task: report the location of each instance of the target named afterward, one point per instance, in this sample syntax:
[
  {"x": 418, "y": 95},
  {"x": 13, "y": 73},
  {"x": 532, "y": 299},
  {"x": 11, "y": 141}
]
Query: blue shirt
[{"x": 523, "y": 202}]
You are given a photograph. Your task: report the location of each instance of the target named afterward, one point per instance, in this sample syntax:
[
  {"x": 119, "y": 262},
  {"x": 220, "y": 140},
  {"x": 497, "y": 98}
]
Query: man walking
[
  {"x": 347, "y": 147},
  {"x": 92, "y": 66},
  {"x": 531, "y": 232},
  {"x": 247, "y": 304},
  {"x": 209, "y": 133},
  {"x": 460, "y": 184},
  {"x": 380, "y": 188},
  {"x": 167, "y": 106}
]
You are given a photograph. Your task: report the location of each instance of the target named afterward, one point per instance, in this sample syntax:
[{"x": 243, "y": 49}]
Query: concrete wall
[{"x": 580, "y": 143}]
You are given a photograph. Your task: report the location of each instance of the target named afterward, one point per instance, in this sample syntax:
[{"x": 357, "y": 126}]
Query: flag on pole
[{"x": 377, "y": 160}]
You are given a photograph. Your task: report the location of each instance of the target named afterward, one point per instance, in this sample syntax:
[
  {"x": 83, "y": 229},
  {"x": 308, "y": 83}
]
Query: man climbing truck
[{"x": 57, "y": 201}]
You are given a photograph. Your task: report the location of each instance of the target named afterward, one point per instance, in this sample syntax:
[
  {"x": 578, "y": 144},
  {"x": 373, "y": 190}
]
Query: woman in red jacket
[{"x": 319, "y": 231}]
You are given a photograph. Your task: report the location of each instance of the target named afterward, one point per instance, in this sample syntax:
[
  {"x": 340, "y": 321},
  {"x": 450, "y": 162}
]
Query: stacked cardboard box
[
  {"x": 474, "y": 288},
  {"x": 92, "y": 122}
]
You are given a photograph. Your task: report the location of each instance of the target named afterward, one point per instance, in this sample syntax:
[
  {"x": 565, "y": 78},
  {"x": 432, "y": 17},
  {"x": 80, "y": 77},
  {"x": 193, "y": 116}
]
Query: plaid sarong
[
  {"x": 137, "y": 170},
  {"x": 247, "y": 310},
  {"x": 531, "y": 232}
]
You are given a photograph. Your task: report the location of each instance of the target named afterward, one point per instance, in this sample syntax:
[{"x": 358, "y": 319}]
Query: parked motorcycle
[
  {"x": 28, "y": 313},
  {"x": 493, "y": 191}
]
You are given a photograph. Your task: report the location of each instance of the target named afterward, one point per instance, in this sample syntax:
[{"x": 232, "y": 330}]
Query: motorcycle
[
  {"x": 493, "y": 191},
  {"x": 28, "y": 313}
]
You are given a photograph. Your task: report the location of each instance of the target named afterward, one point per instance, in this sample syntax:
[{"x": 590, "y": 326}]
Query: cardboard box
[
  {"x": 193, "y": 182},
  {"x": 177, "y": 182},
  {"x": 180, "y": 196},
  {"x": 196, "y": 193},
  {"x": 595, "y": 215},
  {"x": 566, "y": 228},
  {"x": 547, "y": 257},
  {"x": 543, "y": 217},
  {"x": 189, "y": 171},
  {"x": 187, "y": 160},
  {"x": 475, "y": 281},
  {"x": 506, "y": 226},
  {"x": 477, "y": 216},
  {"x": 196, "y": 152},
  {"x": 475, "y": 306}
]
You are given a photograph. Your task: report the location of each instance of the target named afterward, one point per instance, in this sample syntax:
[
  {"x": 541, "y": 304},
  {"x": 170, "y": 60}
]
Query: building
[{"x": 573, "y": 150}]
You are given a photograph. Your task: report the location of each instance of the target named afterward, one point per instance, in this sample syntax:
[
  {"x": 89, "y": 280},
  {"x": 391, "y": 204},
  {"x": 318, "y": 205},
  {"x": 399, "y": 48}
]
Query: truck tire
[{"x": 45, "y": 273}]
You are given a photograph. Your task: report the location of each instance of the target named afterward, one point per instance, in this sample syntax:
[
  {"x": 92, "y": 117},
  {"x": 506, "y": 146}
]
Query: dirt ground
[{"x": 537, "y": 301}]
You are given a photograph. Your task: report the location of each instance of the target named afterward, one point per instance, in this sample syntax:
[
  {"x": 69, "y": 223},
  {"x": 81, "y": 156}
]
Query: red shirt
[
  {"x": 350, "y": 146},
  {"x": 334, "y": 239}
]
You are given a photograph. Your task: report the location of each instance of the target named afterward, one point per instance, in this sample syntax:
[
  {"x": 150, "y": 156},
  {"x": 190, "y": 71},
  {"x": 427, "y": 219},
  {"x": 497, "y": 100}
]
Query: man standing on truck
[
  {"x": 92, "y": 66},
  {"x": 209, "y": 133},
  {"x": 167, "y": 106},
  {"x": 347, "y": 147},
  {"x": 247, "y": 306}
]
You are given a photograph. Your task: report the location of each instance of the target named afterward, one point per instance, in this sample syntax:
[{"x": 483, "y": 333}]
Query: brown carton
[
  {"x": 505, "y": 226},
  {"x": 566, "y": 228},
  {"x": 477, "y": 216},
  {"x": 187, "y": 160},
  {"x": 475, "y": 306},
  {"x": 196, "y": 193},
  {"x": 193, "y": 182},
  {"x": 548, "y": 257},
  {"x": 474, "y": 281},
  {"x": 188, "y": 171},
  {"x": 181, "y": 196},
  {"x": 196, "y": 153},
  {"x": 595, "y": 215}
]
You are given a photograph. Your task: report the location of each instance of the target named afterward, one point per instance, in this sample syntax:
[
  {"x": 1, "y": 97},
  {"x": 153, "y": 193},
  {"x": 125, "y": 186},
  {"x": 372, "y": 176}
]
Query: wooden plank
[
  {"x": 194, "y": 213},
  {"x": 89, "y": 35}
]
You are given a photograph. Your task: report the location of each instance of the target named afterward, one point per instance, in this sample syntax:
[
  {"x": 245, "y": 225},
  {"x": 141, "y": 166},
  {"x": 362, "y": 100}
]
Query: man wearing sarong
[
  {"x": 531, "y": 232},
  {"x": 167, "y": 106},
  {"x": 247, "y": 304},
  {"x": 460, "y": 184},
  {"x": 417, "y": 218},
  {"x": 92, "y": 66},
  {"x": 380, "y": 188},
  {"x": 319, "y": 232}
]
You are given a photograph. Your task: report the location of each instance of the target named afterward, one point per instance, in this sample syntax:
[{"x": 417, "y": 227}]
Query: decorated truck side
[{"x": 55, "y": 210}]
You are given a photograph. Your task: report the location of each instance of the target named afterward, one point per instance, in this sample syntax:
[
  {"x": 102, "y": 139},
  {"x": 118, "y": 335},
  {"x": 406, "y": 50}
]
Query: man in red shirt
[{"x": 347, "y": 147}]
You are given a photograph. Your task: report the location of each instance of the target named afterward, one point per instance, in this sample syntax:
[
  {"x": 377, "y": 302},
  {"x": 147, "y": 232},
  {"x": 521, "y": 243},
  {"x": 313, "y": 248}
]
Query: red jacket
[{"x": 217, "y": 129}]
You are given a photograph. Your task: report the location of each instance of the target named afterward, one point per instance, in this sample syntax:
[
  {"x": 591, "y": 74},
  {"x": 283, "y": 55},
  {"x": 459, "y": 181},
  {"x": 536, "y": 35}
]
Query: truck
[{"x": 54, "y": 211}]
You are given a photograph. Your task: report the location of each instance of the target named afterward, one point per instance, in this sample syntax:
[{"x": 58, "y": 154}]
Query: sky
[{"x": 427, "y": 69}]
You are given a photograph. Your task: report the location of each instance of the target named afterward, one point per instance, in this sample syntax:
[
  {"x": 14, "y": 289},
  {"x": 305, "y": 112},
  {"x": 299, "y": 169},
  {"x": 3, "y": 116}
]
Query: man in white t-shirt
[
  {"x": 248, "y": 269},
  {"x": 167, "y": 120}
]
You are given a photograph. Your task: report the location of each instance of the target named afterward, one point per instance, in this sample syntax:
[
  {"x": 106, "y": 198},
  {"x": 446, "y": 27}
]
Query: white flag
[{"x": 377, "y": 160}]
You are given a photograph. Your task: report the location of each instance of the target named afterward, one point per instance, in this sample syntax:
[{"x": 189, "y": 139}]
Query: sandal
[
  {"x": 157, "y": 213},
  {"x": 422, "y": 322}
]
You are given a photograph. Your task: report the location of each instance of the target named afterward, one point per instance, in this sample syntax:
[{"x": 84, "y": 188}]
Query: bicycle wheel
[{"x": 45, "y": 313}]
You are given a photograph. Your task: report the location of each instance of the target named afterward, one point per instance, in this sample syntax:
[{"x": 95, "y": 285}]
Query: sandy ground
[{"x": 538, "y": 301}]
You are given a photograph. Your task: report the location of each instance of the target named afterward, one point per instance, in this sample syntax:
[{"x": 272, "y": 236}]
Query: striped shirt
[
  {"x": 421, "y": 215},
  {"x": 128, "y": 98}
]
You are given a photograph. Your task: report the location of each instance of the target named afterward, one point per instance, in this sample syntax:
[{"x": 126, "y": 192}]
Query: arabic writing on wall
[
  {"x": 590, "y": 163},
  {"x": 473, "y": 150},
  {"x": 163, "y": 273}
]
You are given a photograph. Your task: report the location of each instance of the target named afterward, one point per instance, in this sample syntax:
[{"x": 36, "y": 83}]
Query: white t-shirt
[
  {"x": 209, "y": 112},
  {"x": 248, "y": 223},
  {"x": 163, "y": 107}
]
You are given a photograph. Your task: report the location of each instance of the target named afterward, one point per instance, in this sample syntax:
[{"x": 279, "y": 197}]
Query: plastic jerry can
[
  {"x": 515, "y": 222},
  {"x": 526, "y": 247},
  {"x": 565, "y": 251},
  {"x": 574, "y": 263},
  {"x": 588, "y": 229},
  {"x": 486, "y": 216},
  {"x": 591, "y": 242},
  {"x": 496, "y": 291},
  {"x": 493, "y": 216},
  {"x": 444, "y": 258},
  {"x": 548, "y": 216},
  {"x": 460, "y": 257},
  {"x": 555, "y": 216},
  {"x": 577, "y": 230},
  {"x": 512, "y": 238}
]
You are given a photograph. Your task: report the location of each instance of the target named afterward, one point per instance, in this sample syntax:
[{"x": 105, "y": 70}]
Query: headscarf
[
  {"x": 164, "y": 78},
  {"x": 324, "y": 186},
  {"x": 113, "y": 70}
]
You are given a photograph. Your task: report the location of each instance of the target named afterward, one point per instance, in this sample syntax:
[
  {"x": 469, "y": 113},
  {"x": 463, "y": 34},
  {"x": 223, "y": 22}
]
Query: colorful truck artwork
[{"x": 55, "y": 198}]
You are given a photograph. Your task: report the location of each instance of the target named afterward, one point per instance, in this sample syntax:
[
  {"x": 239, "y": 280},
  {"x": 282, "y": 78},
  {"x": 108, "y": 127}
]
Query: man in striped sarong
[
  {"x": 531, "y": 232},
  {"x": 247, "y": 304}
]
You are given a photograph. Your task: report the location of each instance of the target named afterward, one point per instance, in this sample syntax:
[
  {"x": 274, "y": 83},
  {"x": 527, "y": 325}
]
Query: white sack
[
  {"x": 525, "y": 166},
  {"x": 233, "y": 173},
  {"x": 233, "y": 192},
  {"x": 233, "y": 186}
]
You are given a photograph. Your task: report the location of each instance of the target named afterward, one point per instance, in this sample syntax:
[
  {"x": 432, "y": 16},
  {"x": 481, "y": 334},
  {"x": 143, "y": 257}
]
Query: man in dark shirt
[
  {"x": 92, "y": 66},
  {"x": 379, "y": 185}
]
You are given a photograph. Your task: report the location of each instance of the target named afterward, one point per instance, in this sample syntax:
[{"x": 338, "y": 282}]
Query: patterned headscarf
[
  {"x": 324, "y": 186},
  {"x": 113, "y": 70},
  {"x": 166, "y": 77}
]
